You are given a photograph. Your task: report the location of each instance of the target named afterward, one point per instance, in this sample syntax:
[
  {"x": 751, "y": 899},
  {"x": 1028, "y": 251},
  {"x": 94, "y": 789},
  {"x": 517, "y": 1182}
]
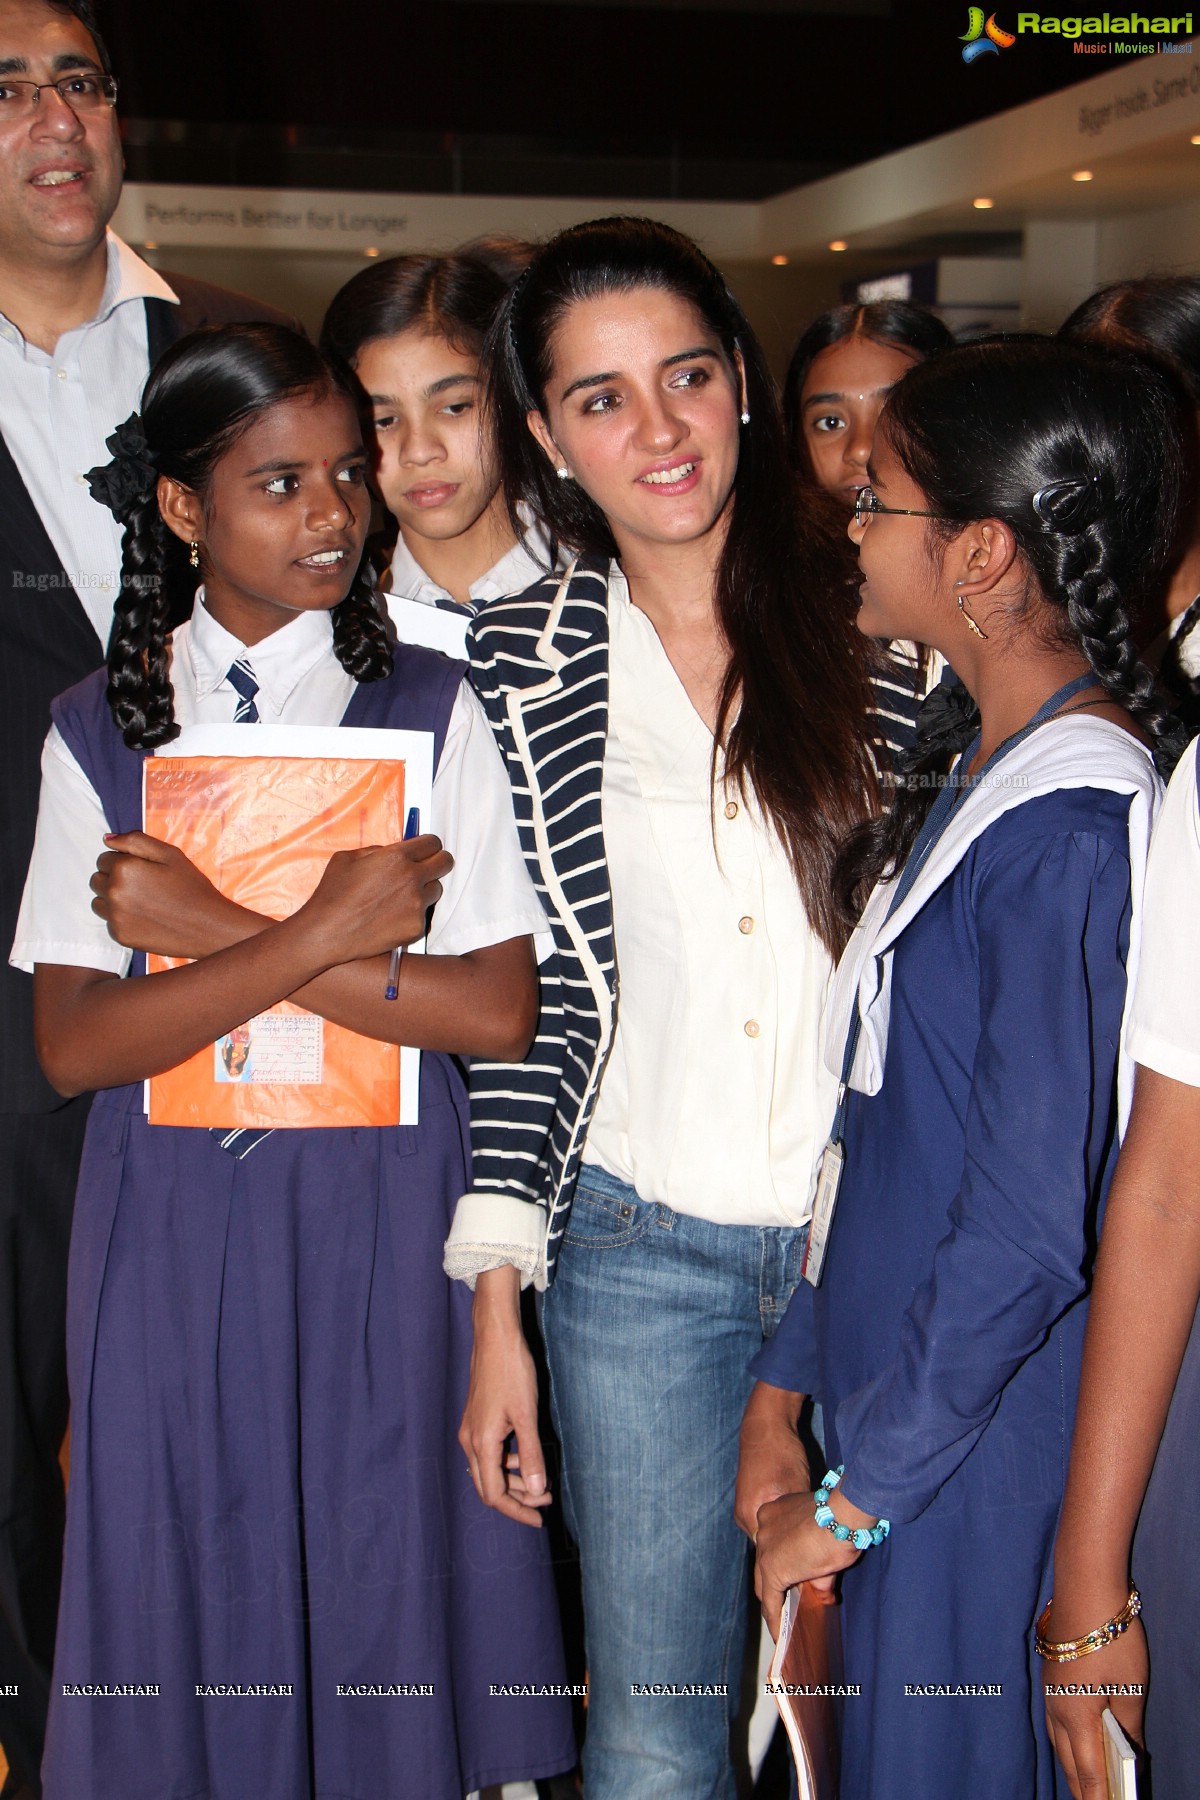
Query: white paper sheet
[{"x": 434, "y": 626}]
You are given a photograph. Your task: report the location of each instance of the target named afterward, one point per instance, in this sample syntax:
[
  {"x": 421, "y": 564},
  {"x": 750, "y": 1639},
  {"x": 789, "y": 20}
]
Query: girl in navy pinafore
[{"x": 279, "y": 1581}]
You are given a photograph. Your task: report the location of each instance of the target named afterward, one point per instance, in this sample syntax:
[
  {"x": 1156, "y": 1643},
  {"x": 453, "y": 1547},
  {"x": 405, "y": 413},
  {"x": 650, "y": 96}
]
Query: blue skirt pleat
[{"x": 268, "y": 1368}]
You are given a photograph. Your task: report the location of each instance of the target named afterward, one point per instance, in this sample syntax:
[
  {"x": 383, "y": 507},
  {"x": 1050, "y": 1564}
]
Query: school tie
[
  {"x": 242, "y": 1141},
  {"x": 241, "y": 678}
]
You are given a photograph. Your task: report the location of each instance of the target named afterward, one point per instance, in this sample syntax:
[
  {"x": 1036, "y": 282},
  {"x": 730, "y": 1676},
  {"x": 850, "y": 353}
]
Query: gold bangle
[{"x": 1073, "y": 1648}]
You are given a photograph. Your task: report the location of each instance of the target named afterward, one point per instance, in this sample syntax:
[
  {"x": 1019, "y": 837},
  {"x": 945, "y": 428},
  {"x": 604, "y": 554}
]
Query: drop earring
[
  {"x": 194, "y": 554},
  {"x": 970, "y": 623}
]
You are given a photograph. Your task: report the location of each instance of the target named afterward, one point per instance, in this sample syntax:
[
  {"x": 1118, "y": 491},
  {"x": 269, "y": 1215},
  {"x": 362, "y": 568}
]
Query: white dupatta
[{"x": 1075, "y": 752}]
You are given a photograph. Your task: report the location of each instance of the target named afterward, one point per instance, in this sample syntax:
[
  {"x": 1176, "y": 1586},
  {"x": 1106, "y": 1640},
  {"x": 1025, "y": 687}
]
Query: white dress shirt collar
[
  {"x": 130, "y": 278},
  {"x": 280, "y": 662},
  {"x": 126, "y": 278}
]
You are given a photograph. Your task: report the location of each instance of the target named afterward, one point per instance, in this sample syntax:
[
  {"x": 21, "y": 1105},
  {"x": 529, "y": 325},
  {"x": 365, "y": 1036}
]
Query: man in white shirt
[{"x": 82, "y": 319}]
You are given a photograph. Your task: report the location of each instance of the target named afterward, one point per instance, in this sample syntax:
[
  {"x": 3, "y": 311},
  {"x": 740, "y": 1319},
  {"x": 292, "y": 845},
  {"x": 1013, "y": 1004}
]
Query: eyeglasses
[
  {"x": 867, "y": 501},
  {"x": 84, "y": 93}
]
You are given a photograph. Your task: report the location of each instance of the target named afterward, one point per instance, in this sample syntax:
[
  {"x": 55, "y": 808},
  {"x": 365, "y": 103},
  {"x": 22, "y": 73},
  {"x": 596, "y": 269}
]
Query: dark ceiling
[{"x": 648, "y": 100}]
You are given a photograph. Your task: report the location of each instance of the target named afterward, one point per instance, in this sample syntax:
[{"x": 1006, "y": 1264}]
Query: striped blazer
[{"x": 539, "y": 664}]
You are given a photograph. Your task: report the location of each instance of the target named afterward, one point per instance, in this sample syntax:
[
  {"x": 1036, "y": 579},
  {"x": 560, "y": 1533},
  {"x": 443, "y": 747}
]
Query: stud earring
[
  {"x": 194, "y": 554},
  {"x": 563, "y": 474},
  {"x": 971, "y": 625},
  {"x": 745, "y": 418}
]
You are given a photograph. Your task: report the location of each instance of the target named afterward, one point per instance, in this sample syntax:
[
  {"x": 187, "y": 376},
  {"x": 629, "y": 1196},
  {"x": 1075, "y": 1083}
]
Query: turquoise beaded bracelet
[{"x": 861, "y": 1537}]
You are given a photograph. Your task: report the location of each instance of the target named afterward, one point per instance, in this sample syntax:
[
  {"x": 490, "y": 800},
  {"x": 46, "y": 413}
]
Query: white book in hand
[{"x": 1120, "y": 1759}]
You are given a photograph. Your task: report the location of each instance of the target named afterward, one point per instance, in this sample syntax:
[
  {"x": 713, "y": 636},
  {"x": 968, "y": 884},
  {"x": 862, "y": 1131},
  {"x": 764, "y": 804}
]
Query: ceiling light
[
  {"x": 839, "y": 244},
  {"x": 1196, "y": 137},
  {"x": 983, "y": 204},
  {"x": 1081, "y": 175},
  {"x": 149, "y": 245},
  {"x": 780, "y": 262}
]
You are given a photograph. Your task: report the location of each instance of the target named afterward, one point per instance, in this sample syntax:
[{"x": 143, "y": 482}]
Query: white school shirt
[
  {"x": 487, "y": 898},
  {"x": 56, "y": 410},
  {"x": 1071, "y": 751},
  {"x": 1165, "y": 1032},
  {"x": 422, "y": 612},
  {"x": 714, "y": 1100}
]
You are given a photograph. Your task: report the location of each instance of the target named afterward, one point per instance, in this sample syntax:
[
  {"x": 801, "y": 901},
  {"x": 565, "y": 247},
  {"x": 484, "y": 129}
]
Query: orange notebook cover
[
  {"x": 805, "y": 1677},
  {"x": 262, "y": 830}
]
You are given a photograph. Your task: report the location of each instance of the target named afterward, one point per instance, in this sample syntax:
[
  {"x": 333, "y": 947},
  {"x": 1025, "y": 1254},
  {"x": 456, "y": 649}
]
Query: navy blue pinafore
[{"x": 279, "y": 1582}]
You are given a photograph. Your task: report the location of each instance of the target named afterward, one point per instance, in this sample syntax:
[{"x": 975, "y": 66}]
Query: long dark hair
[
  {"x": 456, "y": 295},
  {"x": 1156, "y": 317},
  {"x": 1083, "y": 455},
  {"x": 895, "y": 322},
  {"x": 201, "y": 396},
  {"x": 793, "y": 702}
]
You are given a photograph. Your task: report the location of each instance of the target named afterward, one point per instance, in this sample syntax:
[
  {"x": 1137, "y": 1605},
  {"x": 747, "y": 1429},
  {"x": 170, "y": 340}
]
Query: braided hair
[
  {"x": 1157, "y": 318},
  {"x": 203, "y": 394},
  {"x": 1083, "y": 454}
]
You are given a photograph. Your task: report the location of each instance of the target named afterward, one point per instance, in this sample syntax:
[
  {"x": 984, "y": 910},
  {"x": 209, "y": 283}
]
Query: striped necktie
[
  {"x": 241, "y": 1142},
  {"x": 241, "y": 678}
]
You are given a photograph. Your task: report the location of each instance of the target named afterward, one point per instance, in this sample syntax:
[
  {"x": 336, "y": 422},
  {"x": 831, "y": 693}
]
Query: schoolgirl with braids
[
  {"x": 266, "y": 1361},
  {"x": 1024, "y": 498}
]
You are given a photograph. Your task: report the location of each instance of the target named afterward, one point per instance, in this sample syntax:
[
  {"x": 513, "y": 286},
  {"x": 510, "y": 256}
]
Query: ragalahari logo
[{"x": 983, "y": 38}]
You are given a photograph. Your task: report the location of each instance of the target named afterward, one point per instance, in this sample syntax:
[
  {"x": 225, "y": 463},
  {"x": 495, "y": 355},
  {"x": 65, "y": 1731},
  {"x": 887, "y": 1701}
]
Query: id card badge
[{"x": 833, "y": 1161}]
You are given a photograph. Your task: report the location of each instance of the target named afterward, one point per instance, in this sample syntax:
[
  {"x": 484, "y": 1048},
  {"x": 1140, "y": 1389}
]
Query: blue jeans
[{"x": 649, "y": 1327}]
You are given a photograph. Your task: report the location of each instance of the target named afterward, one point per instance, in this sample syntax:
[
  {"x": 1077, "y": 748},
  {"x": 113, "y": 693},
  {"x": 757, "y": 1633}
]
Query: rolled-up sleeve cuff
[{"x": 492, "y": 1231}]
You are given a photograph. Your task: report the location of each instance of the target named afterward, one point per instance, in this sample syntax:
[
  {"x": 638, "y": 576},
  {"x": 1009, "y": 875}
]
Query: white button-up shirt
[
  {"x": 57, "y": 409},
  {"x": 715, "y": 1100}
]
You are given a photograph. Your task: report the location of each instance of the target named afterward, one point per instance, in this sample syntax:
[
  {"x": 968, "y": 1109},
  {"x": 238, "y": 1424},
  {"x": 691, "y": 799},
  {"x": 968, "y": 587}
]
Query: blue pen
[{"x": 412, "y": 827}]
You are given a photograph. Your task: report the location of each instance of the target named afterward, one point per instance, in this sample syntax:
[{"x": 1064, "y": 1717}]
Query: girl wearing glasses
[
  {"x": 1025, "y": 499},
  {"x": 683, "y": 731},
  {"x": 412, "y": 329}
]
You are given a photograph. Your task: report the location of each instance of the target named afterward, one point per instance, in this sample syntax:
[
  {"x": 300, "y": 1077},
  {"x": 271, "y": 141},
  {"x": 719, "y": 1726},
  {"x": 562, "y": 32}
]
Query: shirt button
[
  {"x": 731, "y": 809},
  {"x": 61, "y": 373},
  {"x": 81, "y": 479},
  {"x": 746, "y": 925},
  {"x": 752, "y": 1028}
]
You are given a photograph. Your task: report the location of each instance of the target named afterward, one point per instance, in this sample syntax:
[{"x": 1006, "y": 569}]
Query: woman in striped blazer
[{"x": 685, "y": 737}]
